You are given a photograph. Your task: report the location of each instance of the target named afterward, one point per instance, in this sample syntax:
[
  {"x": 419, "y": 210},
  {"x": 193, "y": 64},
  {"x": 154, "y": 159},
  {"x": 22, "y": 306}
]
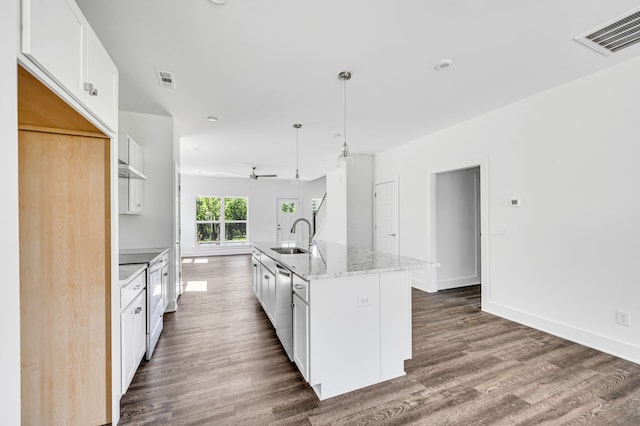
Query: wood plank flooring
[{"x": 219, "y": 362}]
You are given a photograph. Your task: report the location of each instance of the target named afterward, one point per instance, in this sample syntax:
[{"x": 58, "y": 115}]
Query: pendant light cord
[
  {"x": 297, "y": 149},
  {"x": 345, "y": 116}
]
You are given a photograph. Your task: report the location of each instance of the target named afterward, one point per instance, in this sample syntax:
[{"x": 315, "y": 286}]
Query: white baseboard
[
  {"x": 584, "y": 337},
  {"x": 217, "y": 250},
  {"x": 422, "y": 285},
  {"x": 460, "y": 282}
]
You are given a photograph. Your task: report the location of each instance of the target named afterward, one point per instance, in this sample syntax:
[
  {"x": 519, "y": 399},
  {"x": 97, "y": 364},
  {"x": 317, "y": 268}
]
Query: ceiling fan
[{"x": 254, "y": 176}]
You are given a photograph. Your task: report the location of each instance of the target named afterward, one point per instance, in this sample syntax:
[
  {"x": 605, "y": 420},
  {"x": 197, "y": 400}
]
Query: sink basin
[{"x": 290, "y": 250}]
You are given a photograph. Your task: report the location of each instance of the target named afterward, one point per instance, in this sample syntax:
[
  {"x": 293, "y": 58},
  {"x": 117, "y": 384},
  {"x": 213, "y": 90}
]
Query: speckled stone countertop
[
  {"x": 331, "y": 260},
  {"x": 129, "y": 272}
]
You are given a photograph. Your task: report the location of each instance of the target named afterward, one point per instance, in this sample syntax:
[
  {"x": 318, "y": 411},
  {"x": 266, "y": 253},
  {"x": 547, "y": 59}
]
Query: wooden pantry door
[{"x": 65, "y": 301}]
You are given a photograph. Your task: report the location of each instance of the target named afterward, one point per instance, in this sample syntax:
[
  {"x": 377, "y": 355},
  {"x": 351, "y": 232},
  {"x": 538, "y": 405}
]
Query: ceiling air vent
[
  {"x": 615, "y": 35},
  {"x": 166, "y": 79}
]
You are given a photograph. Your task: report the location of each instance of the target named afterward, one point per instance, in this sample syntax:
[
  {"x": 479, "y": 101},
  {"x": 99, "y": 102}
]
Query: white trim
[
  {"x": 396, "y": 181},
  {"x": 432, "y": 251},
  {"x": 215, "y": 250},
  {"x": 581, "y": 336}
]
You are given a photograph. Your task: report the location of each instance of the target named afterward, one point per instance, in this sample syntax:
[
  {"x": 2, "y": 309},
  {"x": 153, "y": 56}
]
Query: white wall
[
  {"x": 569, "y": 258},
  {"x": 360, "y": 202},
  {"x": 262, "y": 194},
  {"x": 457, "y": 230},
  {"x": 9, "y": 261},
  {"x": 154, "y": 227},
  {"x": 335, "y": 228}
]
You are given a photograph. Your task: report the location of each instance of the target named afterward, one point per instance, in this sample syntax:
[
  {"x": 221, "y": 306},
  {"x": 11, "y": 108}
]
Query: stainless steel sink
[{"x": 289, "y": 250}]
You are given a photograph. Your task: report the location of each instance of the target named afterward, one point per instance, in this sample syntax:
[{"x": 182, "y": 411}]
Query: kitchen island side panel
[
  {"x": 344, "y": 334},
  {"x": 395, "y": 323}
]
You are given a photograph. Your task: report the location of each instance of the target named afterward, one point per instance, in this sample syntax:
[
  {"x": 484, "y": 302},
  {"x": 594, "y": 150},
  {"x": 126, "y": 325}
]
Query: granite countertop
[
  {"x": 331, "y": 260},
  {"x": 129, "y": 272}
]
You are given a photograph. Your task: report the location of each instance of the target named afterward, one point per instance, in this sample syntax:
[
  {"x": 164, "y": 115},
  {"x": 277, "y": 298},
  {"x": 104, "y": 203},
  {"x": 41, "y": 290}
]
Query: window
[
  {"x": 221, "y": 220},
  {"x": 288, "y": 207},
  {"x": 315, "y": 203}
]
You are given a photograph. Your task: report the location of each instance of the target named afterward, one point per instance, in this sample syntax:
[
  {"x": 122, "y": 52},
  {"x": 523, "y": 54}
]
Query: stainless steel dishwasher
[{"x": 284, "y": 310}]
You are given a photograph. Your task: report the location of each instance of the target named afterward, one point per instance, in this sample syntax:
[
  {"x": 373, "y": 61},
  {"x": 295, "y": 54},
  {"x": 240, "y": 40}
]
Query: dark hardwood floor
[{"x": 219, "y": 362}]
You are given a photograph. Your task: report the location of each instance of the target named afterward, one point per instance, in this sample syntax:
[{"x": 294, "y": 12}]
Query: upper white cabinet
[
  {"x": 130, "y": 171},
  {"x": 101, "y": 80},
  {"x": 58, "y": 39}
]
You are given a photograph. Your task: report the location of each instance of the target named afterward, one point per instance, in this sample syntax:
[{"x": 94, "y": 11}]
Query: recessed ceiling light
[
  {"x": 212, "y": 119},
  {"x": 219, "y": 1},
  {"x": 443, "y": 64}
]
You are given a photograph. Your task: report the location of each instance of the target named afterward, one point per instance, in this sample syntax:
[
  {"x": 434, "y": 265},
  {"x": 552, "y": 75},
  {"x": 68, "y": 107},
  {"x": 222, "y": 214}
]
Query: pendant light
[
  {"x": 344, "y": 159},
  {"x": 297, "y": 180}
]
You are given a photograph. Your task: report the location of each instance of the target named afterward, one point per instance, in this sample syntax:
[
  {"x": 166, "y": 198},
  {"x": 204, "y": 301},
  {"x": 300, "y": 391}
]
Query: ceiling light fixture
[
  {"x": 218, "y": 1},
  {"x": 297, "y": 180},
  {"x": 443, "y": 64},
  {"x": 344, "y": 159},
  {"x": 212, "y": 119}
]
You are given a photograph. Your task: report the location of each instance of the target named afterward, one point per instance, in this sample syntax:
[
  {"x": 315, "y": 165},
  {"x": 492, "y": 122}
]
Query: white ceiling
[{"x": 261, "y": 66}]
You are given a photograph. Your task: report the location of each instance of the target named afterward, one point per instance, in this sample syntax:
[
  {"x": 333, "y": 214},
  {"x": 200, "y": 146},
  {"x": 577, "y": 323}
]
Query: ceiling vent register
[
  {"x": 615, "y": 35},
  {"x": 166, "y": 79}
]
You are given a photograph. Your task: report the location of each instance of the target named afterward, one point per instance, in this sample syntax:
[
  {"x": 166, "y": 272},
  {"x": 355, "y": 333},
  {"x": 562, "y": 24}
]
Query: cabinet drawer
[
  {"x": 131, "y": 290},
  {"x": 256, "y": 253},
  {"x": 269, "y": 264},
  {"x": 301, "y": 288}
]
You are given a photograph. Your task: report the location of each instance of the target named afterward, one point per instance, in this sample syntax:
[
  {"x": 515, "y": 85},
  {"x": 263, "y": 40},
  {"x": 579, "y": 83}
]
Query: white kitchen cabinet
[
  {"x": 301, "y": 335},
  {"x": 53, "y": 38},
  {"x": 256, "y": 277},
  {"x": 131, "y": 183},
  {"x": 57, "y": 38},
  {"x": 101, "y": 77},
  {"x": 269, "y": 292},
  {"x": 132, "y": 337}
]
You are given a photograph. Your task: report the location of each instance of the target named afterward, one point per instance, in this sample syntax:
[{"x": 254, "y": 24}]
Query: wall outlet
[
  {"x": 623, "y": 318},
  {"x": 363, "y": 301}
]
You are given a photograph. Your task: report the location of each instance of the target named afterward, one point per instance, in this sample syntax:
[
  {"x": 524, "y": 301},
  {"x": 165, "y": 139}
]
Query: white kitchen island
[{"x": 351, "y": 314}]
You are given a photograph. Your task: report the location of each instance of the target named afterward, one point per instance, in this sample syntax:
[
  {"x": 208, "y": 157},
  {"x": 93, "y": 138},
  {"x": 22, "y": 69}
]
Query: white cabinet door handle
[
  {"x": 298, "y": 286},
  {"x": 89, "y": 88}
]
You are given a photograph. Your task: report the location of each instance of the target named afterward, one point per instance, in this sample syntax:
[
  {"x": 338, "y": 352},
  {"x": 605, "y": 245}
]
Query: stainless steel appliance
[
  {"x": 157, "y": 261},
  {"x": 284, "y": 313}
]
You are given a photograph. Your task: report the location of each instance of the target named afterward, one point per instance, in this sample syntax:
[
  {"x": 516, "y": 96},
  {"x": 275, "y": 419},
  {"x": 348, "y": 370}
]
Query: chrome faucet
[{"x": 293, "y": 227}]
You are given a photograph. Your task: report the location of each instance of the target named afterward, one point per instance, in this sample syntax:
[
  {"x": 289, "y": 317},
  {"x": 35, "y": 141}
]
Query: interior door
[
  {"x": 288, "y": 210},
  {"x": 386, "y": 216}
]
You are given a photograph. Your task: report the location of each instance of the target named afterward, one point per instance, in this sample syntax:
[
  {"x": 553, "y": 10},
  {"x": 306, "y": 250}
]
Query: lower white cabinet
[
  {"x": 133, "y": 337},
  {"x": 269, "y": 293},
  {"x": 301, "y": 335},
  {"x": 255, "y": 264}
]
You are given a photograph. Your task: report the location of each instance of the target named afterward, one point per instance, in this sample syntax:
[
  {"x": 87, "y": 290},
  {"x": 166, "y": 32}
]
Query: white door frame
[
  {"x": 432, "y": 237},
  {"x": 395, "y": 180}
]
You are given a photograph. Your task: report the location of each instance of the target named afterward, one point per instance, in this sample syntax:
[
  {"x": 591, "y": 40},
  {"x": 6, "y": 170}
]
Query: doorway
[
  {"x": 458, "y": 228},
  {"x": 287, "y": 211},
  {"x": 477, "y": 200}
]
